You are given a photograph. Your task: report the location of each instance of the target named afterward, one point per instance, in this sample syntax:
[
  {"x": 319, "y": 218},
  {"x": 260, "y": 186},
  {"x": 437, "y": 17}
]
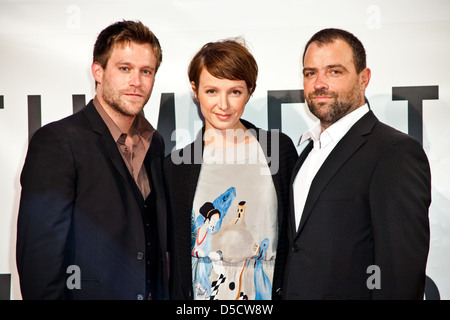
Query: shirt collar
[
  {"x": 140, "y": 126},
  {"x": 336, "y": 131}
]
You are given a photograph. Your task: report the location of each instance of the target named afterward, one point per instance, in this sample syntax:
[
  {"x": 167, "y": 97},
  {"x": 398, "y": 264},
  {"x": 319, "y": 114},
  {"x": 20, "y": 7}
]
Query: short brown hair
[
  {"x": 123, "y": 32},
  {"x": 225, "y": 59},
  {"x": 326, "y": 36}
]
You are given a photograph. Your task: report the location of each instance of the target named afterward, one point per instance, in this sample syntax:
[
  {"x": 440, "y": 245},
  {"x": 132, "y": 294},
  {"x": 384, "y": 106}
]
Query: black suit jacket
[
  {"x": 80, "y": 206},
  {"x": 367, "y": 205},
  {"x": 181, "y": 181}
]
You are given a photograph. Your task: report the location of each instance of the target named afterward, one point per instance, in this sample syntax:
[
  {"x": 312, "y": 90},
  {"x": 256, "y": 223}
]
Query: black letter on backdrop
[
  {"x": 166, "y": 120},
  {"x": 275, "y": 98},
  {"x": 274, "y": 101},
  {"x": 431, "y": 290},
  {"x": 5, "y": 286},
  {"x": 78, "y": 102},
  {"x": 415, "y": 96},
  {"x": 34, "y": 111},
  {"x": 34, "y": 115}
]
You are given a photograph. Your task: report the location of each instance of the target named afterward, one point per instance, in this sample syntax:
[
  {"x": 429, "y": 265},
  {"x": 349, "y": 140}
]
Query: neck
[
  {"x": 228, "y": 137},
  {"x": 124, "y": 122},
  {"x": 326, "y": 124}
]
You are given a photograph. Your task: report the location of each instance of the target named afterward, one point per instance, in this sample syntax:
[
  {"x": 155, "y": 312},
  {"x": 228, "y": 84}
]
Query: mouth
[
  {"x": 222, "y": 117},
  {"x": 133, "y": 95},
  {"x": 321, "y": 98}
]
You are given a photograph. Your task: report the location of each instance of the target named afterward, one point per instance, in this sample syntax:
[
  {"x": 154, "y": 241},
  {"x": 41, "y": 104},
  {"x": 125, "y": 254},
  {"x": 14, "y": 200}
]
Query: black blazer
[
  {"x": 80, "y": 206},
  {"x": 367, "y": 205},
  {"x": 181, "y": 181}
]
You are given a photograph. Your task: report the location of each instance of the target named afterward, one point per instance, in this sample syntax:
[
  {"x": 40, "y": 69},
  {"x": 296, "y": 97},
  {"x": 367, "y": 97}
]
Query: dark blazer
[
  {"x": 367, "y": 205},
  {"x": 181, "y": 181},
  {"x": 80, "y": 206}
]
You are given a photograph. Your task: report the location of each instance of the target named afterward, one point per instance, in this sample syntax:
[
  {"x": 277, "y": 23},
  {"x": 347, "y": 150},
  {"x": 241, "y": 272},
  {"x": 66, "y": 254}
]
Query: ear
[
  {"x": 97, "y": 72},
  {"x": 365, "y": 77},
  {"x": 194, "y": 88}
]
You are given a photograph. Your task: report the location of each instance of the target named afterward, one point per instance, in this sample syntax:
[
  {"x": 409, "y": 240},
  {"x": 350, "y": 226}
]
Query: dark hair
[
  {"x": 225, "y": 59},
  {"x": 207, "y": 210},
  {"x": 123, "y": 32},
  {"x": 326, "y": 36}
]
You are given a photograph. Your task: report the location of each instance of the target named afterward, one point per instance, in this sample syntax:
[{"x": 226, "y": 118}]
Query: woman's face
[
  {"x": 222, "y": 101},
  {"x": 213, "y": 221}
]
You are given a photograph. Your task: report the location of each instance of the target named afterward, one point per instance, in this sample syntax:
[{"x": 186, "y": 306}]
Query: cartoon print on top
[{"x": 222, "y": 254}]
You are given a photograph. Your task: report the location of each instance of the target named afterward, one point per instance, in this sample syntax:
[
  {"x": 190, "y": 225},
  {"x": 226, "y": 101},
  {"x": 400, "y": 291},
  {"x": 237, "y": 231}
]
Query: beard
[
  {"x": 339, "y": 106},
  {"x": 126, "y": 108}
]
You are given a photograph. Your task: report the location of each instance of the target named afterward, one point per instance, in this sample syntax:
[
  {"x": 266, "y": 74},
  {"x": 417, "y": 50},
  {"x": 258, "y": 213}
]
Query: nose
[
  {"x": 320, "y": 82},
  {"x": 135, "y": 79},
  {"x": 223, "y": 102}
]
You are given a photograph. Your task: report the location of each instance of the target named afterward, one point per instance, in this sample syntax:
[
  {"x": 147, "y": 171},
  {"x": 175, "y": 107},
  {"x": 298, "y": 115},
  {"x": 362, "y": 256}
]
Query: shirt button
[
  {"x": 140, "y": 255},
  {"x": 296, "y": 248}
]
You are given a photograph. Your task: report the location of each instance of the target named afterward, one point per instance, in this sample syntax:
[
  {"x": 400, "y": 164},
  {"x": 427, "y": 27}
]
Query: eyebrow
[
  {"x": 129, "y": 63},
  {"x": 309, "y": 69},
  {"x": 330, "y": 66},
  {"x": 210, "y": 86},
  {"x": 333, "y": 66}
]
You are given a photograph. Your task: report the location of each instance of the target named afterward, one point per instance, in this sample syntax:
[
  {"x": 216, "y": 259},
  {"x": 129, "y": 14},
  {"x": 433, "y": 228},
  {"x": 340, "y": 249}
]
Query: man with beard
[
  {"x": 361, "y": 190},
  {"x": 92, "y": 216}
]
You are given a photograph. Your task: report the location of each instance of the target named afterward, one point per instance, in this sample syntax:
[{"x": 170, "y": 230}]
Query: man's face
[
  {"x": 126, "y": 83},
  {"x": 331, "y": 85}
]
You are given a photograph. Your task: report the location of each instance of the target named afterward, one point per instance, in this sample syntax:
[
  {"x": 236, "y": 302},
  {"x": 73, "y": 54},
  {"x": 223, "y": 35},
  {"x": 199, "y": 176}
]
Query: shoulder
[
  {"x": 392, "y": 147},
  {"x": 181, "y": 169},
  {"x": 63, "y": 129},
  {"x": 262, "y": 133},
  {"x": 276, "y": 141},
  {"x": 178, "y": 159},
  {"x": 380, "y": 135},
  {"x": 277, "y": 146},
  {"x": 157, "y": 143},
  {"x": 390, "y": 136}
]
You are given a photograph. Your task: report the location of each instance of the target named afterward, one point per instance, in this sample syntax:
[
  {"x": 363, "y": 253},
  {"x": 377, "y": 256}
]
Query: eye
[
  {"x": 236, "y": 92},
  {"x": 147, "y": 72},
  {"x": 210, "y": 91},
  {"x": 337, "y": 71},
  {"x": 308, "y": 74},
  {"x": 124, "y": 69}
]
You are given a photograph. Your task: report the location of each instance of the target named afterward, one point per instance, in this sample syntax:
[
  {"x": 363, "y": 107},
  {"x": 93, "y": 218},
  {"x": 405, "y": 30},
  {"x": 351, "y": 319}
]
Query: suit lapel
[
  {"x": 192, "y": 173},
  {"x": 348, "y": 145},
  {"x": 112, "y": 152},
  {"x": 188, "y": 174},
  {"x": 116, "y": 158},
  {"x": 107, "y": 140}
]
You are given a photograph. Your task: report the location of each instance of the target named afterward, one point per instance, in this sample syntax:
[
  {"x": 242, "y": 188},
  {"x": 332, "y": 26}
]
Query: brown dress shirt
[{"x": 132, "y": 147}]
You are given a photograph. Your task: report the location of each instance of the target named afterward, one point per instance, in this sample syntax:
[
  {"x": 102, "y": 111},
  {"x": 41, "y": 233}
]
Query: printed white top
[{"x": 234, "y": 225}]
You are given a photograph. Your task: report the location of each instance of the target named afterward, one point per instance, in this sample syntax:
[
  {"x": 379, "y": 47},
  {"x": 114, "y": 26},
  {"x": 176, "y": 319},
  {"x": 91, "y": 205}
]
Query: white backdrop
[{"x": 46, "y": 50}]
